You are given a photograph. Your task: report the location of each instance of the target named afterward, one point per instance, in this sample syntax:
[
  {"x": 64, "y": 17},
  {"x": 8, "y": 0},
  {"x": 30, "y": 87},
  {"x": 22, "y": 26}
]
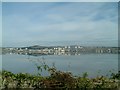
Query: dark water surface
[{"x": 93, "y": 64}]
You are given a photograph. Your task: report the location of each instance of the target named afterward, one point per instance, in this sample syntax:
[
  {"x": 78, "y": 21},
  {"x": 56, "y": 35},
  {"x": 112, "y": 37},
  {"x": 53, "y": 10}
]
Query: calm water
[{"x": 94, "y": 64}]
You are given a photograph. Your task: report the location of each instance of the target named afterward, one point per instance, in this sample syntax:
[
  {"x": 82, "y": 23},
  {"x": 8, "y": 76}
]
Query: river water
[{"x": 93, "y": 64}]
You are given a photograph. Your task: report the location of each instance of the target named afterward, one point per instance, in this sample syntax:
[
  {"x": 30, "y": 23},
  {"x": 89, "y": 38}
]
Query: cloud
[
  {"x": 0, "y": 24},
  {"x": 60, "y": 0},
  {"x": 37, "y": 22}
]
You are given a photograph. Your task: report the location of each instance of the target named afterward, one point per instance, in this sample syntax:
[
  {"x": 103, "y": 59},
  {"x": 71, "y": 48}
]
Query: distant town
[{"x": 58, "y": 50}]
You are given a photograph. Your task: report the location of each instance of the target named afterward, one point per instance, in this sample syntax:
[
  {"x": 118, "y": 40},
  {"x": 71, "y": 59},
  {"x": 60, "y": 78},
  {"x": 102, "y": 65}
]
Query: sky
[
  {"x": 59, "y": 23},
  {"x": 0, "y": 24},
  {"x": 60, "y": 0}
]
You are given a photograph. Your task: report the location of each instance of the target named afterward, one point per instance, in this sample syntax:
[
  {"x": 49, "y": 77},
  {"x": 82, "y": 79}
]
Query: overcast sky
[
  {"x": 26, "y": 24},
  {"x": 0, "y": 24},
  {"x": 60, "y": 0}
]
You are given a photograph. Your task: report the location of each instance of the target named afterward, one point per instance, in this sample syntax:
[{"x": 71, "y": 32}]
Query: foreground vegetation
[{"x": 57, "y": 80}]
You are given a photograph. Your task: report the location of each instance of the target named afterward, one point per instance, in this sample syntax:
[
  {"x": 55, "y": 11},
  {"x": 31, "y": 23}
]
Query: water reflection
[
  {"x": 72, "y": 50},
  {"x": 55, "y": 53},
  {"x": 77, "y": 64}
]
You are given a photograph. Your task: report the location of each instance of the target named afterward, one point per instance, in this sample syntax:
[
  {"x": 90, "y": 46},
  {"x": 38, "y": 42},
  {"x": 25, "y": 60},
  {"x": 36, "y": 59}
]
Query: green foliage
[
  {"x": 41, "y": 66},
  {"x": 57, "y": 79},
  {"x": 115, "y": 76},
  {"x": 85, "y": 75}
]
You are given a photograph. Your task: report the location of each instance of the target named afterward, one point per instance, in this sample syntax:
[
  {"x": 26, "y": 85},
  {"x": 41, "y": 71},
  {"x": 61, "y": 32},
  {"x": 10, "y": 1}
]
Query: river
[{"x": 93, "y": 64}]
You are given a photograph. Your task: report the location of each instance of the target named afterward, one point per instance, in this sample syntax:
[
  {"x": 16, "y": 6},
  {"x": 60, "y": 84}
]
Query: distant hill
[
  {"x": 36, "y": 47},
  {"x": 41, "y": 47}
]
